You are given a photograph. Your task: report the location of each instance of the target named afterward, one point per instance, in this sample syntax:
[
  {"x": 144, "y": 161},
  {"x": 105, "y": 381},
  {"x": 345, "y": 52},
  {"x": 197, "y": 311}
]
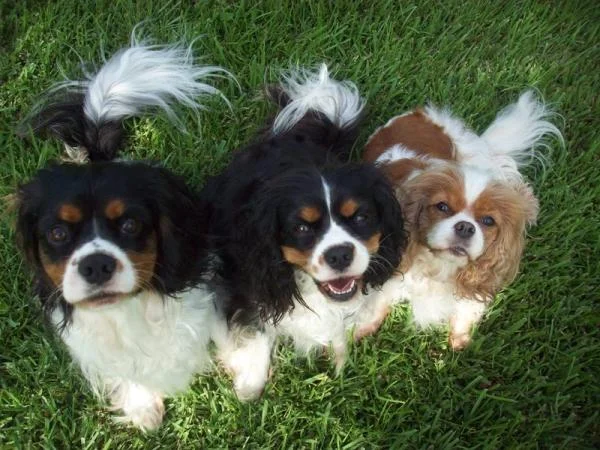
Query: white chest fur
[
  {"x": 429, "y": 286},
  {"x": 159, "y": 342},
  {"x": 322, "y": 321}
]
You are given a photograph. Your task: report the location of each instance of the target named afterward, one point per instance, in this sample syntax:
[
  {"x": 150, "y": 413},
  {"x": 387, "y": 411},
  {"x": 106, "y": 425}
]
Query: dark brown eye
[
  {"x": 443, "y": 207},
  {"x": 130, "y": 227},
  {"x": 360, "y": 218},
  {"x": 488, "y": 221},
  {"x": 302, "y": 228},
  {"x": 58, "y": 234}
]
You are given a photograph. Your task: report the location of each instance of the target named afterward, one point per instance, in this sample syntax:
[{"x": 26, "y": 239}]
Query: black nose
[
  {"x": 464, "y": 229},
  {"x": 97, "y": 268},
  {"x": 340, "y": 256}
]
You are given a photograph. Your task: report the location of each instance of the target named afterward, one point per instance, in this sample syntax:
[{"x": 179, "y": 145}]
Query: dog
[
  {"x": 118, "y": 248},
  {"x": 467, "y": 208},
  {"x": 302, "y": 236}
]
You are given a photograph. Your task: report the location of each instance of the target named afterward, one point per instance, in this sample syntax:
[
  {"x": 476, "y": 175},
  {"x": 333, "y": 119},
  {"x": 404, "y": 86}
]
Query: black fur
[
  {"x": 250, "y": 201},
  {"x": 162, "y": 202},
  {"x": 65, "y": 120}
]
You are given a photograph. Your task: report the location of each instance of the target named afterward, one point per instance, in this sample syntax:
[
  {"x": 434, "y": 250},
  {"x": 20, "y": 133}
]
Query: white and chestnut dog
[
  {"x": 118, "y": 248},
  {"x": 466, "y": 205},
  {"x": 305, "y": 237}
]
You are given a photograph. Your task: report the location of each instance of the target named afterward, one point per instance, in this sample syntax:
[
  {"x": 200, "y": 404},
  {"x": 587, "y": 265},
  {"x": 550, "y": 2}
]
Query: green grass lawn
[{"x": 530, "y": 378}]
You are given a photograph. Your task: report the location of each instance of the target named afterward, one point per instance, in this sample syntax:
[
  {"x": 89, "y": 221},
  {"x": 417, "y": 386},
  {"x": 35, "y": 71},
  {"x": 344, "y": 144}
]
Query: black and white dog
[
  {"x": 119, "y": 248},
  {"x": 303, "y": 237}
]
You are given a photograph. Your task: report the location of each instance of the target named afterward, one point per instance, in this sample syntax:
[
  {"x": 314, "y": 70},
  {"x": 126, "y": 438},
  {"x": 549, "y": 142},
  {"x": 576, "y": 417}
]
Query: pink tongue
[{"x": 341, "y": 284}]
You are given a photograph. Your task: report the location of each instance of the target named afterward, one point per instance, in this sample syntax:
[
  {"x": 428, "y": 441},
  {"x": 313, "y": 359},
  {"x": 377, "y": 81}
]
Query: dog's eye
[
  {"x": 443, "y": 207},
  {"x": 360, "y": 218},
  {"x": 488, "y": 221},
  {"x": 58, "y": 234},
  {"x": 301, "y": 229},
  {"x": 130, "y": 227}
]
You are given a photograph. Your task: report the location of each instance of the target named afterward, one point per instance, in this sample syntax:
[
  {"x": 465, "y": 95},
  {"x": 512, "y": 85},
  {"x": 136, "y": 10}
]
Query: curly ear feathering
[
  {"x": 467, "y": 207},
  {"x": 302, "y": 233},
  {"x": 119, "y": 248}
]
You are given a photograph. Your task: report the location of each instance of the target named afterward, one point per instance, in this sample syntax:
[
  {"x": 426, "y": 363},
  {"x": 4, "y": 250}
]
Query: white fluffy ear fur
[
  {"x": 339, "y": 101},
  {"x": 145, "y": 76},
  {"x": 518, "y": 129},
  {"x": 509, "y": 143}
]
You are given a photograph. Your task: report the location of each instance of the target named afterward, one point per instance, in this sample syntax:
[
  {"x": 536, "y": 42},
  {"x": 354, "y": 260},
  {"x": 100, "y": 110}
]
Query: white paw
[
  {"x": 459, "y": 341},
  {"x": 141, "y": 407},
  {"x": 249, "y": 387}
]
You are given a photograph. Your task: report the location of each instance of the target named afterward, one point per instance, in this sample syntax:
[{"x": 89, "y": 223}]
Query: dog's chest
[
  {"x": 159, "y": 342},
  {"x": 321, "y": 321}
]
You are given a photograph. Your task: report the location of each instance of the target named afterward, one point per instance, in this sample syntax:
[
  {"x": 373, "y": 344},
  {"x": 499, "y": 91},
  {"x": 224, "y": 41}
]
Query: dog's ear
[
  {"x": 392, "y": 242},
  {"x": 181, "y": 232},
  {"x": 27, "y": 202},
  {"x": 499, "y": 264},
  {"x": 266, "y": 278}
]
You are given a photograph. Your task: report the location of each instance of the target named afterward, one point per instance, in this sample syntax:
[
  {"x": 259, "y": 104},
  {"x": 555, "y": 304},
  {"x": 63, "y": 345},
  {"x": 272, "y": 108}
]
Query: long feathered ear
[
  {"x": 268, "y": 278},
  {"x": 499, "y": 265},
  {"x": 27, "y": 202},
  {"x": 393, "y": 236},
  {"x": 182, "y": 230}
]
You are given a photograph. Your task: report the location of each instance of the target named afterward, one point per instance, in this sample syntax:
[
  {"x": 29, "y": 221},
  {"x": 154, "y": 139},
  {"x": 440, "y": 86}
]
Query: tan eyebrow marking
[
  {"x": 348, "y": 208},
  {"x": 70, "y": 213},
  {"x": 310, "y": 214},
  {"x": 114, "y": 209}
]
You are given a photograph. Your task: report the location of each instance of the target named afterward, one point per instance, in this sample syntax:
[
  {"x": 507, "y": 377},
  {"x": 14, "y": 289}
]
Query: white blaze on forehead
[
  {"x": 336, "y": 235},
  {"x": 326, "y": 194},
  {"x": 475, "y": 182},
  {"x": 75, "y": 288}
]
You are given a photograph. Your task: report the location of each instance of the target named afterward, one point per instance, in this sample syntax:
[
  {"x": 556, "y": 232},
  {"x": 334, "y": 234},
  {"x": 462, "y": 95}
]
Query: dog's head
[
  {"x": 99, "y": 233},
  {"x": 342, "y": 226},
  {"x": 477, "y": 224}
]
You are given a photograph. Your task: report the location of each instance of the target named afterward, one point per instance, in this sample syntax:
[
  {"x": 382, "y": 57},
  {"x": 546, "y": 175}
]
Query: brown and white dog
[{"x": 467, "y": 208}]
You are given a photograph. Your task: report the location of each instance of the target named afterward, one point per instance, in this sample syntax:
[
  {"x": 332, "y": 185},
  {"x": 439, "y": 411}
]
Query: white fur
[
  {"x": 246, "y": 354},
  {"x": 442, "y": 236},
  {"x": 144, "y": 76},
  {"x": 320, "y": 324},
  {"x": 395, "y": 153},
  {"x": 339, "y": 101},
  {"x": 518, "y": 129},
  {"x": 337, "y": 235},
  {"x": 429, "y": 288},
  {"x": 142, "y": 348},
  {"x": 499, "y": 153},
  {"x": 508, "y": 144},
  {"x": 74, "y": 286},
  {"x": 475, "y": 181}
]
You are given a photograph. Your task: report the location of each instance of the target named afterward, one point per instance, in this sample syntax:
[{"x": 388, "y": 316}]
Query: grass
[{"x": 530, "y": 379}]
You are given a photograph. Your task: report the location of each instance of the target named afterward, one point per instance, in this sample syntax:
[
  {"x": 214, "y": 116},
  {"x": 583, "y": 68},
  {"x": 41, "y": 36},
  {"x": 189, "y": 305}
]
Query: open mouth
[
  {"x": 340, "y": 289},
  {"x": 458, "y": 251}
]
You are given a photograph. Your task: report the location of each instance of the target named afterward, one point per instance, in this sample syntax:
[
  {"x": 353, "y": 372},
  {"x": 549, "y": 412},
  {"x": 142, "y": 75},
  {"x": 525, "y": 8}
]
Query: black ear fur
[
  {"x": 181, "y": 240},
  {"x": 267, "y": 279},
  {"x": 28, "y": 204},
  {"x": 29, "y": 197},
  {"x": 393, "y": 235}
]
